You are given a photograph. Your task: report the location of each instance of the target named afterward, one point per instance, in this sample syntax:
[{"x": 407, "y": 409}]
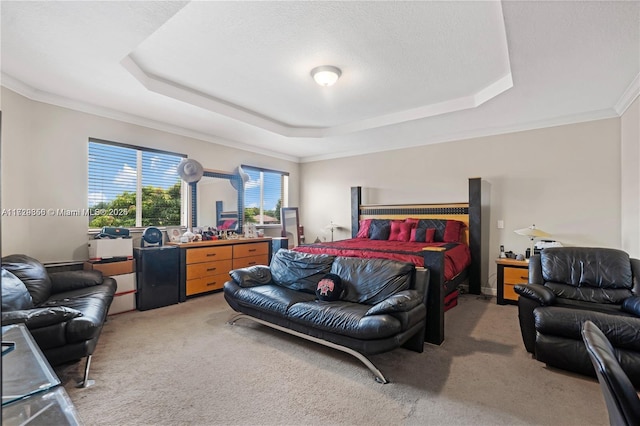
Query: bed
[{"x": 451, "y": 250}]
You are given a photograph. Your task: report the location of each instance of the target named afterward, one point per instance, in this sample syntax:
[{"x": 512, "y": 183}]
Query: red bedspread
[{"x": 456, "y": 258}]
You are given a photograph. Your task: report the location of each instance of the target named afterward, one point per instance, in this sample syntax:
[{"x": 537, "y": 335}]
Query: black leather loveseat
[
  {"x": 570, "y": 285},
  {"x": 382, "y": 306},
  {"x": 64, "y": 311}
]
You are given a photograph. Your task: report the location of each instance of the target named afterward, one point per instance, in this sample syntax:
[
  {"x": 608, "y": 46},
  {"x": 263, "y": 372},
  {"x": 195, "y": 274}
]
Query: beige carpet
[{"x": 184, "y": 365}]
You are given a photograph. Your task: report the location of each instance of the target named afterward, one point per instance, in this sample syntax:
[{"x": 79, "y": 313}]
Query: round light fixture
[{"x": 326, "y": 75}]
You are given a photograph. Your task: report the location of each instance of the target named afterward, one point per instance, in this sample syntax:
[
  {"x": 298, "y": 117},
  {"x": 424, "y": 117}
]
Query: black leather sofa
[
  {"x": 570, "y": 285},
  {"x": 64, "y": 311},
  {"x": 382, "y": 307}
]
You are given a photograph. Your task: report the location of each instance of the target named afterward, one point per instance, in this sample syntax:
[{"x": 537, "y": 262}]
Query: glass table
[{"x": 31, "y": 391}]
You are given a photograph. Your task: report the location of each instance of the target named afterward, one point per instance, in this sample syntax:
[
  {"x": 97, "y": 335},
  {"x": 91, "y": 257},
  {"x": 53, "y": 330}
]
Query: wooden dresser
[{"x": 205, "y": 265}]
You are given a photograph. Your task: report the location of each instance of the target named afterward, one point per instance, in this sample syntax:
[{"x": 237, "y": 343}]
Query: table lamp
[
  {"x": 533, "y": 233},
  {"x": 332, "y": 226}
]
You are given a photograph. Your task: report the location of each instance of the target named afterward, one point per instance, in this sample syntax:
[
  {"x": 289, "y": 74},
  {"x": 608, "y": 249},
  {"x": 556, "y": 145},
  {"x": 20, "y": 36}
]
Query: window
[
  {"x": 133, "y": 187},
  {"x": 264, "y": 194}
]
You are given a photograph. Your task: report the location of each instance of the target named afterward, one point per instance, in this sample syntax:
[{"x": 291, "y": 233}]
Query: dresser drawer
[
  {"x": 243, "y": 262},
  {"x": 509, "y": 293},
  {"x": 205, "y": 284},
  {"x": 253, "y": 249},
  {"x": 198, "y": 270},
  {"x": 207, "y": 254},
  {"x": 516, "y": 275}
]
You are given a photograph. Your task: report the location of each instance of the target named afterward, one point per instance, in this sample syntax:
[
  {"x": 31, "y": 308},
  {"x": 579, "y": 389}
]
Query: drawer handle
[
  {"x": 251, "y": 263},
  {"x": 252, "y": 250},
  {"x": 212, "y": 283},
  {"x": 524, "y": 278},
  {"x": 210, "y": 254},
  {"x": 211, "y": 269}
]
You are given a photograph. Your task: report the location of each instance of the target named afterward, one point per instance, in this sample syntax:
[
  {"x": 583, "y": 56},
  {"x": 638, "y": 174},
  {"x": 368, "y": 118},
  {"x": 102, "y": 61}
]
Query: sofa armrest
[
  {"x": 40, "y": 317},
  {"x": 72, "y": 280},
  {"x": 631, "y": 305},
  {"x": 537, "y": 292},
  {"x": 251, "y": 276},
  {"x": 402, "y": 301}
]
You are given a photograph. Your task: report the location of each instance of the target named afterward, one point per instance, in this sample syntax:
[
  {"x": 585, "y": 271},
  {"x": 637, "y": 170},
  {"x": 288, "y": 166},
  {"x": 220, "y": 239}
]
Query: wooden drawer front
[
  {"x": 205, "y": 284},
  {"x": 207, "y": 254},
  {"x": 243, "y": 262},
  {"x": 253, "y": 249},
  {"x": 516, "y": 275},
  {"x": 509, "y": 293},
  {"x": 198, "y": 270}
]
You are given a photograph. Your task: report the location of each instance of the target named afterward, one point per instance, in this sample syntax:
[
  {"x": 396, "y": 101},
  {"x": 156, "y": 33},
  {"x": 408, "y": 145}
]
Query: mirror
[
  {"x": 215, "y": 201},
  {"x": 290, "y": 225}
]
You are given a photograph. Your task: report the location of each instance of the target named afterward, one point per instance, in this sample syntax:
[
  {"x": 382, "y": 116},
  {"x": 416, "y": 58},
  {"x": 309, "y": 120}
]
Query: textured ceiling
[{"x": 413, "y": 73}]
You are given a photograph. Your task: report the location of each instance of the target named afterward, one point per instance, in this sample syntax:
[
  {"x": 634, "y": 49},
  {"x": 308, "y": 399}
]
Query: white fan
[
  {"x": 243, "y": 176},
  {"x": 190, "y": 170}
]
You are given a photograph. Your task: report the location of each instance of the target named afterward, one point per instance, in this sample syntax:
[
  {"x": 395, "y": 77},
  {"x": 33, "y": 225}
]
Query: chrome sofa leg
[
  {"x": 377, "y": 373},
  {"x": 85, "y": 383}
]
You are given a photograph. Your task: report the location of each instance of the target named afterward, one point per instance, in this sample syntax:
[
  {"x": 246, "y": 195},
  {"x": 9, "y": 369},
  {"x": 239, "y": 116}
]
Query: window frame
[
  {"x": 139, "y": 150},
  {"x": 284, "y": 192}
]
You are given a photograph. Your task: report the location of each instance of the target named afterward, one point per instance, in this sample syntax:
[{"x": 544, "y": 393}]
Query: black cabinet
[{"x": 157, "y": 276}]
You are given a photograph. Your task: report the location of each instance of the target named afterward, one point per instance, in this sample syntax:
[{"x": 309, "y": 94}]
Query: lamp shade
[
  {"x": 332, "y": 226},
  {"x": 532, "y": 232},
  {"x": 326, "y": 75}
]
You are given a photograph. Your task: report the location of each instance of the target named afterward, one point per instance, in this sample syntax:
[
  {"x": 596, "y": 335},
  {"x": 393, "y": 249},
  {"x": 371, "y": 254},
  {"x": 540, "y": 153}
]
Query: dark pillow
[
  {"x": 329, "y": 288},
  {"x": 438, "y": 224},
  {"x": 423, "y": 235},
  {"x": 379, "y": 229},
  {"x": 15, "y": 295},
  {"x": 363, "y": 229},
  {"x": 452, "y": 231}
]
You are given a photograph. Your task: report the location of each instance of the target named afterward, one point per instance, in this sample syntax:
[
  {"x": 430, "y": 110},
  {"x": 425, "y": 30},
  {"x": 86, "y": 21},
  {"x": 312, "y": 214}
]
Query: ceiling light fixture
[{"x": 326, "y": 75}]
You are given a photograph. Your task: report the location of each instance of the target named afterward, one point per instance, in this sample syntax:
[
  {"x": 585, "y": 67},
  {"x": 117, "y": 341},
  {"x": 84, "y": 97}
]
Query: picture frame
[{"x": 174, "y": 233}]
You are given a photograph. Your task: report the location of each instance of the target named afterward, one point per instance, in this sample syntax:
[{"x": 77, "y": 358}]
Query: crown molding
[
  {"x": 479, "y": 133},
  {"x": 46, "y": 97},
  {"x": 37, "y": 95},
  {"x": 629, "y": 95}
]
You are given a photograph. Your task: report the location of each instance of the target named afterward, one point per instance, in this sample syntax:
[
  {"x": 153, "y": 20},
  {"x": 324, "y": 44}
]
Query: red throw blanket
[{"x": 457, "y": 255}]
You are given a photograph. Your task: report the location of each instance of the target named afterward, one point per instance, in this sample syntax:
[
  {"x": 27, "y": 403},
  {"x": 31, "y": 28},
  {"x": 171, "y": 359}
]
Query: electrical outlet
[{"x": 501, "y": 224}]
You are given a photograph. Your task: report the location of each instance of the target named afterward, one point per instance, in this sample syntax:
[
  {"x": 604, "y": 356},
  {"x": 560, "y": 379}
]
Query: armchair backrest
[
  {"x": 623, "y": 404},
  {"x": 591, "y": 274},
  {"x": 32, "y": 273}
]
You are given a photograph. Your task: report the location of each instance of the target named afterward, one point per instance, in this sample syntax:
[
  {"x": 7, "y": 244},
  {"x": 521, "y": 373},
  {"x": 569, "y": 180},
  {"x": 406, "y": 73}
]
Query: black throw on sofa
[
  {"x": 64, "y": 311},
  {"x": 382, "y": 305},
  {"x": 570, "y": 285}
]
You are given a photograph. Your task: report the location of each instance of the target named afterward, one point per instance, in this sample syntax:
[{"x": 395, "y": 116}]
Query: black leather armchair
[
  {"x": 64, "y": 311},
  {"x": 570, "y": 285},
  {"x": 623, "y": 404}
]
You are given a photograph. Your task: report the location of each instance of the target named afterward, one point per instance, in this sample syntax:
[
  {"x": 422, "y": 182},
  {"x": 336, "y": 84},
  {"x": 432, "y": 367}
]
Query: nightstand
[{"x": 510, "y": 273}]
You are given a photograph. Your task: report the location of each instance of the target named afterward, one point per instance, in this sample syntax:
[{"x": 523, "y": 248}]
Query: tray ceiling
[{"x": 413, "y": 73}]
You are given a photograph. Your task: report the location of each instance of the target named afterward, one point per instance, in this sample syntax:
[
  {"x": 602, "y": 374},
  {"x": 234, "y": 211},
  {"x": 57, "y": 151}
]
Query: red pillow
[
  {"x": 425, "y": 235},
  {"x": 452, "y": 231},
  {"x": 400, "y": 231},
  {"x": 363, "y": 230},
  {"x": 413, "y": 222}
]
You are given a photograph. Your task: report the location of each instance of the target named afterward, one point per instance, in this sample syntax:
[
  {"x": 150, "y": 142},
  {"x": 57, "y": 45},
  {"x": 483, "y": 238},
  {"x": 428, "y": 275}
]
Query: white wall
[
  {"x": 630, "y": 177},
  {"x": 564, "y": 179},
  {"x": 44, "y": 165}
]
